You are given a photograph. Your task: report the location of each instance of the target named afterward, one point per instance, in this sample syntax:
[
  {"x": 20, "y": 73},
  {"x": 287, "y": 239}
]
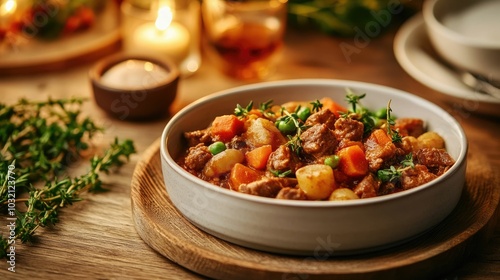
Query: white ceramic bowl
[
  {"x": 318, "y": 228},
  {"x": 465, "y": 34}
]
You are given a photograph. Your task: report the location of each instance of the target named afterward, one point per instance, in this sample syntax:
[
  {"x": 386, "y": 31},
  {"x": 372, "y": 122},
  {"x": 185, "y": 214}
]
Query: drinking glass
[{"x": 244, "y": 38}]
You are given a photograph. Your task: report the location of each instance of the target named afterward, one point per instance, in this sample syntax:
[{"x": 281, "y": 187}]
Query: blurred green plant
[{"x": 343, "y": 17}]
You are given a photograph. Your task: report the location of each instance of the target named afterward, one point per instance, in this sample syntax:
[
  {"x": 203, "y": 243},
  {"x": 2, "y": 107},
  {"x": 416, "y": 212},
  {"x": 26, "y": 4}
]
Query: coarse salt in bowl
[
  {"x": 325, "y": 228},
  {"x": 134, "y": 86}
]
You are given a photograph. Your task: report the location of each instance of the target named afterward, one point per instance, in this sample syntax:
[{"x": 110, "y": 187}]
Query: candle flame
[
  {"x": 164, "y": 18},
  {"x": 8, "y": 7}
]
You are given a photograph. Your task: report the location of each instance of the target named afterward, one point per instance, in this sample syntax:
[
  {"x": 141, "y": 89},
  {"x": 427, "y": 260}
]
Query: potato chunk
[
  {"x": 222, "y": 163},
  {"x": 263, "y": 132},
  {"x": 316, "y": 181},
  {"x": 430, "y": 140},
  {"x": 343, "y": 194}
]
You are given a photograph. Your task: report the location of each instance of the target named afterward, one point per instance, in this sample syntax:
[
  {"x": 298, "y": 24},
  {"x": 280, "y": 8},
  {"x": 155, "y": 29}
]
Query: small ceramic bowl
[
  {"x": 465, "y": 34},
  {"x": 134, "y": 87},
  {"x": 323, "y": 228}
]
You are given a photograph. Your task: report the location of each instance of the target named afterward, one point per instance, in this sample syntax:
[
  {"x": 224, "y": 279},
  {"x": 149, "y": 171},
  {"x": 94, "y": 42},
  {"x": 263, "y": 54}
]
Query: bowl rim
[
  {"x": 165, "y": 156},
  {"x": 433, "y": 23}
]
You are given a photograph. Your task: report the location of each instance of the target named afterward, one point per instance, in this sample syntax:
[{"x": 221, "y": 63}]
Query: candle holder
[{"x": 168, "y": 28}]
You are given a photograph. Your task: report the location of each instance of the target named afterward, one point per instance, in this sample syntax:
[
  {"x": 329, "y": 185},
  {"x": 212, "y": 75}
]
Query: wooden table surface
[{"x": 96, "y": 238}]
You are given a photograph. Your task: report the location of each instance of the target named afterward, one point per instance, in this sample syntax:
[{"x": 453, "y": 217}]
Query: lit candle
[
  {"x": 134, "y": 74},
  {"x": 163, "y": 36},
  {"x": 7, "y": 10}
]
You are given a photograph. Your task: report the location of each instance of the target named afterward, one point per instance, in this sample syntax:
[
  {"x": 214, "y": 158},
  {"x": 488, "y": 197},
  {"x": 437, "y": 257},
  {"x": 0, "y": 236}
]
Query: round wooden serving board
[{"x": 432, "y": 254}]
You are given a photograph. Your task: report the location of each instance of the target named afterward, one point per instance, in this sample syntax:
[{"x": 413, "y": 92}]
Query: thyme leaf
[
  {"x": 317, "y": 105},
  {"x": 393, "y": 174}
]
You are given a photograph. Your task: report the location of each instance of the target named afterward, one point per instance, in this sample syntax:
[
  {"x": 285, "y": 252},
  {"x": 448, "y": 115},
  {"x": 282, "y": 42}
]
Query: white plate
[{"x": 416, "y": 56}]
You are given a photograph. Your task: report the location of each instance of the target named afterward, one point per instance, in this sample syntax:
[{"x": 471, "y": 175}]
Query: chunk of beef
[
  {"x": 197, "y": 157},
  {"x": 292, "y": 194},
  {"x": 437, "y": 160},
  {"x": 413, "y": 177},
  {"x": 377, "y": 154},
  {"x": 432, "y": 157},
  {"x": 238, "y": 143},
  {"x": 283, "y": 159},
  {"x": 267, "y": 187},
  {"x": 318, "y": 140},
  {"x": 409, "y": 126},
  {"x": 198, "y": 136},
  {"x": 368, "y": 187},
  {"x": 348, "y": 130},
  {"x": 325, "y": 117},
  {"x": 388, "y": 188}
]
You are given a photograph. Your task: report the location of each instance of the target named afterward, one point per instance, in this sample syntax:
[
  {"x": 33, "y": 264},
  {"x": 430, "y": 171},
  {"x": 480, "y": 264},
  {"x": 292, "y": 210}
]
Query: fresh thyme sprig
[
  {"x": 353, "y": 99},
  {"x": 240, "y": 111},
  {"x": 43, "y": 137},
  {"x": 394, "y": 134},
  {"x": 264, "y": 108},
  {"x": 393, "y": 174},
  {"x": 359, "y": 112},
  {"x": 43, "y": 203},
  {"x": 38, "y": 141}
]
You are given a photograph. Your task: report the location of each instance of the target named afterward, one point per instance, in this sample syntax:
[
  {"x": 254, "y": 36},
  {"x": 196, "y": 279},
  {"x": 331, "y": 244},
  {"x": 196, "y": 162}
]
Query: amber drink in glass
[{"x": 244, "y": 38}]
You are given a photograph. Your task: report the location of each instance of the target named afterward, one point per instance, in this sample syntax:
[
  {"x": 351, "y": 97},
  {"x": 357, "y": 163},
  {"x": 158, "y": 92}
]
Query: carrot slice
[
  {"x": 241, "y": 174},
  {"x": 381, "y": 137},
  {"x": 257, "y": 158},
  {"x": 353, "y": 161},
  {"x": 333, "y": 106},
  {"x": 226, "y": 127}
]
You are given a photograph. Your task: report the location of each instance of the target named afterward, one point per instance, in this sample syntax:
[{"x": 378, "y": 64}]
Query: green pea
[
  {"x": 381, "y": 113},
  {"x": 216, "y": 147},
  {"x": 304, "y": 113},
  {"x": 332, "y": 161},
  {"x": 286, "y": 126},
  {"x": 379, "y": 122}
]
